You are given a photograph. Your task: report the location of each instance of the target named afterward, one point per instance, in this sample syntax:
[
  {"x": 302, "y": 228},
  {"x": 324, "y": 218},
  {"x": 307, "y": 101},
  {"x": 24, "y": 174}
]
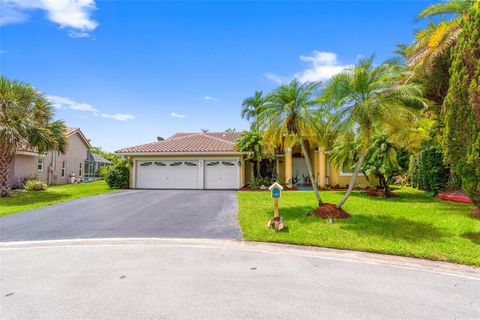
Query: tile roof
[{"x": 190, "y": 142}]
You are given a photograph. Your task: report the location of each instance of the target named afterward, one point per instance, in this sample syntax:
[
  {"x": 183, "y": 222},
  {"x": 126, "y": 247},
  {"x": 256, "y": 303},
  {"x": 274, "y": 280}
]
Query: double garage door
[{"x": 188, "y": 174}]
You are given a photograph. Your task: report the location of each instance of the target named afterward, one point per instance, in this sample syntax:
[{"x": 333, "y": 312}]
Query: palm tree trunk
[
  {"x": 352, "y": 180},
  {"x": 5, "y": 157},
  {"x": 257, "y": 167},
  {"x": 310, "y": 173}
]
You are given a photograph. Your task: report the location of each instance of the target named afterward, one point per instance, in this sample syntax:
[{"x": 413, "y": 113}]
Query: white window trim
[
  {"x": 43, "y": 164},
  {"x": 347, "y": 174}
]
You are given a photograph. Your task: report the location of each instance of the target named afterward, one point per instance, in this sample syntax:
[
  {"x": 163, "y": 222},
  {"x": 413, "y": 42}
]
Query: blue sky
[{"x": 129, "y": 71}]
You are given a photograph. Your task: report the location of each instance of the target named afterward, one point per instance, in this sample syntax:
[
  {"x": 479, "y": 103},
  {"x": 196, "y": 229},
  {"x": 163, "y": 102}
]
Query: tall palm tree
[
  {"x": 251, "y": 142},
  {"x": 26, "y": 117},
  {"x": 367, "y": 98},
  {"x": 252, "y": 106},
  {"x": 287, "y": 119},
  {"x": 439, "y": 36}
]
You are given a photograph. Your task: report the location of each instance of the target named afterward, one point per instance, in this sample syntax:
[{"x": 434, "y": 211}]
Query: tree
[
  {"x": 251, "y": 142},
  {"x": 26, "y": 117},
  {"x": 287, "y": 119},
  {"x": 381, "y": 161},
  {"x": 369, "y": 99},
  {"x": 462, "y": 104},
  {"x": 439, "y": 36},
  {"x": 252, "y": 106},
  {"x": 230, "y": 130}
]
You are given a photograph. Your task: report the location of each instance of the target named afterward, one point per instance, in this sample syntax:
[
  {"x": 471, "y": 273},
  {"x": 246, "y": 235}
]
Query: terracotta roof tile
[{"x": 190, "y": 142}]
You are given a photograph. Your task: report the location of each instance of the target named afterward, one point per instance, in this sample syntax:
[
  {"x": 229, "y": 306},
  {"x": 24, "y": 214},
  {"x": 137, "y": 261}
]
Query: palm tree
[
  {"x": 367, "y": 98},
  {"x": 287, "y": 119},
  {"x": 251, "y": 142},
  {"x": 381, "y": 160},
  {"x": 438, "y": 37},
  {"x": 252, "y": 106},
  {"x": 25, "y": 118}
]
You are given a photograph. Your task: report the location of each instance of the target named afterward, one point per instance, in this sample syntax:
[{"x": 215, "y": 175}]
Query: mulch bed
[
  {"x": 381, "y": 193},
  {"x": 259, "y": 189},
  {"x": 328, "y": 210}
]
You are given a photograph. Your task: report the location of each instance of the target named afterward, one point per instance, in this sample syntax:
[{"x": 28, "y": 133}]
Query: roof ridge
[{"x": 216, "y": 138}]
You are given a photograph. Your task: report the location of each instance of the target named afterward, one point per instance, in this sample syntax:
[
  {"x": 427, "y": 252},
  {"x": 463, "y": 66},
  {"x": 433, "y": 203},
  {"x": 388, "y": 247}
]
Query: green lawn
[
  {"x": 21, "y": 200},
  {"x": 413, "y": 225}
]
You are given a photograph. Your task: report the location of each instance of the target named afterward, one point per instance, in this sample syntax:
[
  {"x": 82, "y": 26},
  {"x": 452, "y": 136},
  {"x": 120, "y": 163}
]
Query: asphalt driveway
[{"x": 128, "y": 214}]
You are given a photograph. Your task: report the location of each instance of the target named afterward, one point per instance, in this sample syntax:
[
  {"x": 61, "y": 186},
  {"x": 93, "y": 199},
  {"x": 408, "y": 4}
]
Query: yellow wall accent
[
  {"x": 288, "y": 167},
  {"x": 322, "y": 164}
]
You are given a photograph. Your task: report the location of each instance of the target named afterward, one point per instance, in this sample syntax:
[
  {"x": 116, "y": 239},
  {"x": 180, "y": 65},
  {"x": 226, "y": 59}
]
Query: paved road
[
  {"x": 221, "y": 279},
  {"x": 132, "y": 213}
]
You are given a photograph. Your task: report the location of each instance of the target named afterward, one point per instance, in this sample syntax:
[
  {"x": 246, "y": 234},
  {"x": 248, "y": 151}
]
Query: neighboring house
[
  {"x": 207, "y": 160},
  {"x": 52, "y": 167}
]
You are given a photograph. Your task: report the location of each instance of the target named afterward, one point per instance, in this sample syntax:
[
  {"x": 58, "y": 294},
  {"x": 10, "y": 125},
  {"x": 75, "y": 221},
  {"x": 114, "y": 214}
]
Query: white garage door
[
  {"x": 221, "y": 174},
  {"x": 160, "y": 174}
]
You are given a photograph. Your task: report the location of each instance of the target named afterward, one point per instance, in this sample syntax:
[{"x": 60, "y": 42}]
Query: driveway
[
  {"x": 220, "y": 279},
  {"x": 131, "y": 213}
]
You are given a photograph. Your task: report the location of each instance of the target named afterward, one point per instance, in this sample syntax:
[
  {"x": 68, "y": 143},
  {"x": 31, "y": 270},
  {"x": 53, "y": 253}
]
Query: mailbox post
[{"x": 276, "y": 191}]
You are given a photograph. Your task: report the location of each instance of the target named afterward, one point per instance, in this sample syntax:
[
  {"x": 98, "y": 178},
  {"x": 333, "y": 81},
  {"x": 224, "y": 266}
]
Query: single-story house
[
  {"x": 208, "y": 160},
  {"x": 52, "y": 167}
]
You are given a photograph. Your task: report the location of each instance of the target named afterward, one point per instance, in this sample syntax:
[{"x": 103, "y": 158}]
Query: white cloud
[
  {"x": 67, "y": 103},
  {"x": 209, "y": 98},
  {"x": 323, "y": 66},
  {"x": 78, "y": 34},
  {"x": 73, "y": 14},
  {"x": 176, "y": 115},
  {"x": 119, "y": 116},
  {"x": 275, "y": 78}
]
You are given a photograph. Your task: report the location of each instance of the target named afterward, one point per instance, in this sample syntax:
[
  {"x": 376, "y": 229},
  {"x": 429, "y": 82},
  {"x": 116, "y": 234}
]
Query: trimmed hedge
[
  {"x": 118, "y": 176},
  {"x": 427, "y": 169}
]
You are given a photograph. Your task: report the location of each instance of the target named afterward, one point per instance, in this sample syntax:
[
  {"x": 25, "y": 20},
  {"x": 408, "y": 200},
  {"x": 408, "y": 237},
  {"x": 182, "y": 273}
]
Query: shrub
[
  {"x": 427, "y": 169},
  {"x": 35, "y": 185},
  {"x": 118, "y": 176},
  {"x": 256, "y": 183}
]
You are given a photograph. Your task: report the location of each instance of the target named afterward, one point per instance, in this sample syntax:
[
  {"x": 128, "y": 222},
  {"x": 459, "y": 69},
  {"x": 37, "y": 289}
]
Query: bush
[
  {"x": 35, "y": 185},
  {"x": 256, "y": 183},
  {"x": 427, "y": 169},
  {"x": 118, "y": 176}
]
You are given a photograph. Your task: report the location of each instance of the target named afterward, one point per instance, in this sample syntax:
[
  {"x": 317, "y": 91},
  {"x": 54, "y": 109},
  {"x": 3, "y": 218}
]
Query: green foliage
[
  {"x": 381, "y": 160},
  {"x": 258, "y": 182},
  {"x": 35, "y": 185},
  {"x": 470, "y": 172},
  {"x": 252, "y": 143},
  {"x": 118, "y": 176},
  {"x": 462, "y": 104},
  {"x": 427, "y": 169}
]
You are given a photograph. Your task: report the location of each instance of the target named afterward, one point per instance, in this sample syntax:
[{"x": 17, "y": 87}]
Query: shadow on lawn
[
  {"x": 28, "y": 198},
  {"x": 472, "y": 236},
  {"x": 392, "y": 228}
]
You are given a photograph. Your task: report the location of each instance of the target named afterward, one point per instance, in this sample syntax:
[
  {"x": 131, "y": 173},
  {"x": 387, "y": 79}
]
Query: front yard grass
[
  {"x": 22, "y": 200},
  {"x": 412, "y": 225}
]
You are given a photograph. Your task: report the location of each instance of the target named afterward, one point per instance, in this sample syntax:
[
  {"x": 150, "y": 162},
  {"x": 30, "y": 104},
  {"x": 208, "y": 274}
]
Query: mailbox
[{"x": 276, "y": 190}]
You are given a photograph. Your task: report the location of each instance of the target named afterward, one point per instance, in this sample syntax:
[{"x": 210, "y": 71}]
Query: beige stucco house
[
  {"x": 52, "y": 167},
  {"x": 208, "y": 160}
]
